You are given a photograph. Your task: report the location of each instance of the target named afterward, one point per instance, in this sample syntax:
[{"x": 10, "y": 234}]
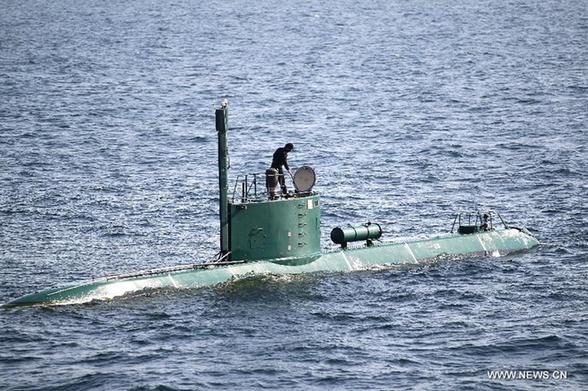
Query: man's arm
[{"x": 285, "y": 157}]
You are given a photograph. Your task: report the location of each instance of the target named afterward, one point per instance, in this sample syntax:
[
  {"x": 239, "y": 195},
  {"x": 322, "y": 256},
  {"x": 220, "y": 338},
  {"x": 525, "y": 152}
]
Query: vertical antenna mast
[{"x": 223, "y": 156}]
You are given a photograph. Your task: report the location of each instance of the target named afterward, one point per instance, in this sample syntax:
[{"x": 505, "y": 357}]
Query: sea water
[{"x": 408, "y": 112}]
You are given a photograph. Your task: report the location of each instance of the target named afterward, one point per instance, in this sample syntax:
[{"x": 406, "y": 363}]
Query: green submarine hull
[
  {"x": 279, "y": 234},
  {"x": 492, "y": 243}
]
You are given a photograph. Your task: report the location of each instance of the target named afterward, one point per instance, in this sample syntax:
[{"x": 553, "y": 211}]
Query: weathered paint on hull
[{"x": 497, "y": 242}]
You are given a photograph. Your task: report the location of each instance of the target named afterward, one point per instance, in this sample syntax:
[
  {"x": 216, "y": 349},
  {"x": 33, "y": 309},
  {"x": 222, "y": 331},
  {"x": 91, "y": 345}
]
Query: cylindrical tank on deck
[
  {"x": 271, "y": 183},
  {"x": 356, "y": 233}
]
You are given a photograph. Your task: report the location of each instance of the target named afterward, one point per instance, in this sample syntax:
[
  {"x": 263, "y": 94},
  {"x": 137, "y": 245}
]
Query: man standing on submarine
[{"x": 279, "y": 160}]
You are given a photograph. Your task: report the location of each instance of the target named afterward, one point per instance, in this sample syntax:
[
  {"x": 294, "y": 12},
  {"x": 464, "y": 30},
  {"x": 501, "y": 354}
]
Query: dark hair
[{"x": 289, "y": 147}]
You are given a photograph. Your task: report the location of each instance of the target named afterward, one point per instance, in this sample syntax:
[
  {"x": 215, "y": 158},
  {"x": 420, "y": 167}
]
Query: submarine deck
[{"x": 496, "y": 242}]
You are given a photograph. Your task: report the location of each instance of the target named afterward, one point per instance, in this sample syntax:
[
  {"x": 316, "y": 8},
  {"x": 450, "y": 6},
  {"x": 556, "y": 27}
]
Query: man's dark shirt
[{"x": 280, "y": 159}]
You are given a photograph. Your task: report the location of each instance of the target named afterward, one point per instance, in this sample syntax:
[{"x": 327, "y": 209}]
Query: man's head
[{"x": 289, "y": 147}]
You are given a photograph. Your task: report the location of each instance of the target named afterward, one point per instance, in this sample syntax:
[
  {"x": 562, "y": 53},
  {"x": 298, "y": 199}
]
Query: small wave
[{"x": 199, "y": 139}]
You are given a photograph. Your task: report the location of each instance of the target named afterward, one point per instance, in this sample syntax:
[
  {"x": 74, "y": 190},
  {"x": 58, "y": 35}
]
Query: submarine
[{"x": 266, "y": 232}]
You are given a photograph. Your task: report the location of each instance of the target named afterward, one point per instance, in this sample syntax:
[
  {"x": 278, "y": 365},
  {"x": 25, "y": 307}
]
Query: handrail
[
  {"x": 246, "y": 187},
  {"x": 171, "y": 269},
  {"x": 479, "y": 220},
  {"x": 501, "y": 219},
  {"x": 235, "y": 188}
]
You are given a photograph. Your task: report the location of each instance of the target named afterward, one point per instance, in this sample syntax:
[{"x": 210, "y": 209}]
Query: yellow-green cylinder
[{"x": 356, "y": 233}]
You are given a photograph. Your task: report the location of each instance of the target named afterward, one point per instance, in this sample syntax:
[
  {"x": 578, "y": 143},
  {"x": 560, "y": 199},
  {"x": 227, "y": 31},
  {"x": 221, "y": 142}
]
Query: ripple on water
[{"x": 408, "y": 112}]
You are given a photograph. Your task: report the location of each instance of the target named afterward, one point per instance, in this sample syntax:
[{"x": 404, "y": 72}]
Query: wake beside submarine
[{"x": 270, "y": 233}]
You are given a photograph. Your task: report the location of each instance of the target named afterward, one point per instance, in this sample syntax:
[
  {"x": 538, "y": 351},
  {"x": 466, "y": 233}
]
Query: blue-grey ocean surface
[{"x": 407, "y": 110}]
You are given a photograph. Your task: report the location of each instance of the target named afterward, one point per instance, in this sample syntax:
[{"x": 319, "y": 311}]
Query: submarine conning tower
[{"x": 260, "y": 223}]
